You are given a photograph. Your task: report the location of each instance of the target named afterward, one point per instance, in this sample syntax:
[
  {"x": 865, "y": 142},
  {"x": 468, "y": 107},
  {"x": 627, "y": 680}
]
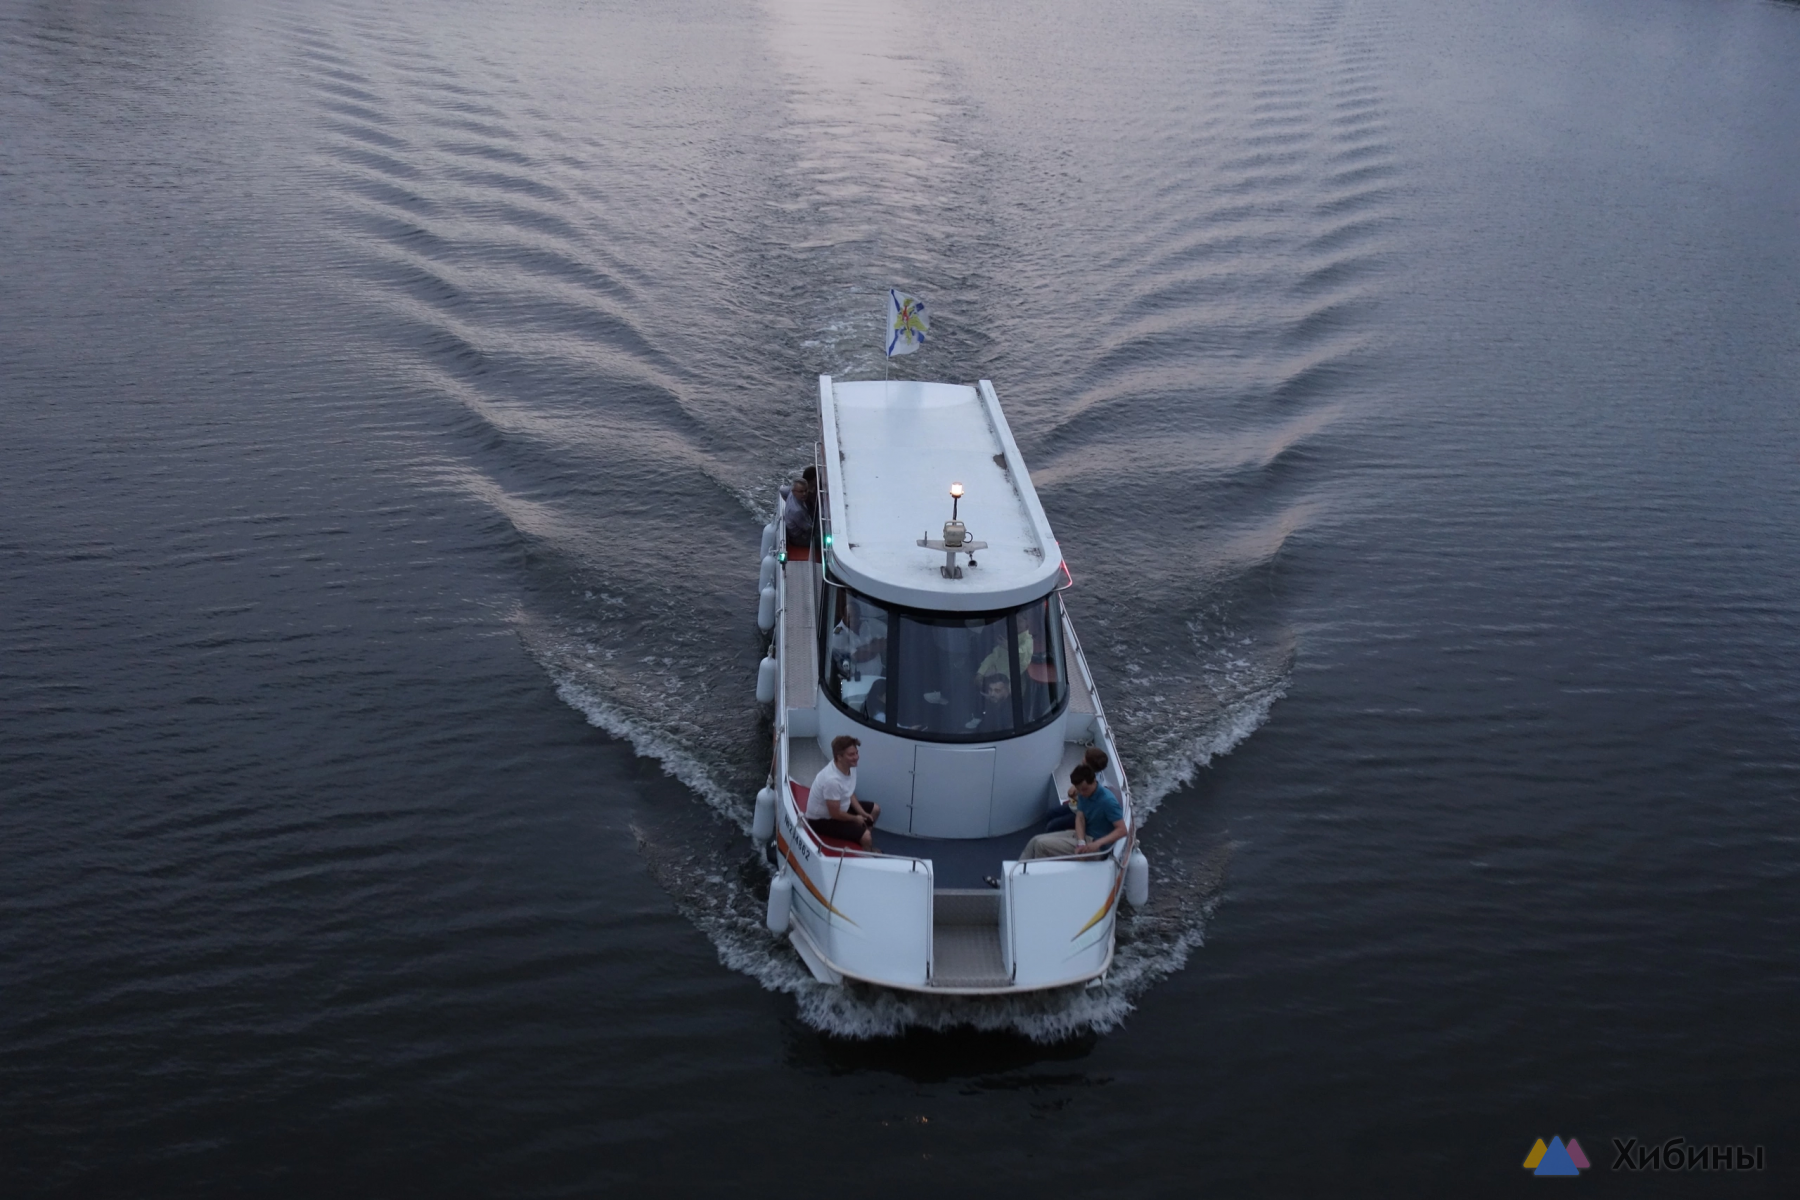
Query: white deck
[
  {"x": 892, "y": 450},
  {"x": 800, "y": 653}
]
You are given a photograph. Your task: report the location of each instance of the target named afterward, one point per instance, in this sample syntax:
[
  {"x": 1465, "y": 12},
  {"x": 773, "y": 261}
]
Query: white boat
[{"x": 894, "y": 636}]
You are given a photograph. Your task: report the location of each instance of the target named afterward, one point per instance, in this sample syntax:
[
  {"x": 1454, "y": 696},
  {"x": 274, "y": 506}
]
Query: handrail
[
  {"x": 1084, "y": 856},
  {"x": 1087, "y": 676},
  {"x": 1122, "y": 860},
  {"x": 822, "y": 500},
  {"x": 778, "y": 761}
]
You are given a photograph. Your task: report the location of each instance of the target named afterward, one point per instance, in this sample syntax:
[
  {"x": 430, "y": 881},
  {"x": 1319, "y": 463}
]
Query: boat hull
[{"x": 948, "y": 904}]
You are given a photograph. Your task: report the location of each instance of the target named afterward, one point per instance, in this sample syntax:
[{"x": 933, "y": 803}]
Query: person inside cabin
[
  {"x": 800, "y": 515},
  {"x": 996, "y": 705},
  {"x": 997, "y": 662},
  {"x": 1099, "y": 821},
  {"x": 859, "y": 642},
  {"x": 832, "y": 807},
  {"x": 875, "y": 703},
  {"x": 1064, "y": 820}
]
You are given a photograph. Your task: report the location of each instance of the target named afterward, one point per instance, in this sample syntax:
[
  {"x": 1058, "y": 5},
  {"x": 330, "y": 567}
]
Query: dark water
[{"x": 389, "y": 399}]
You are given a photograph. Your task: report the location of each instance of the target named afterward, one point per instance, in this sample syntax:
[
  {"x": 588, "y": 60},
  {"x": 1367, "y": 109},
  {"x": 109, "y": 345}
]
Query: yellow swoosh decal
[
  {"x": 795, "y": 863},
  {"x": 1110, "y": 897}
]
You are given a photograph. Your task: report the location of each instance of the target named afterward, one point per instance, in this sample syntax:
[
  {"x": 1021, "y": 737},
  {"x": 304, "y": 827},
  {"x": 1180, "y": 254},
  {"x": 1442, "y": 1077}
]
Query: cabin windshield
[{"x": 962, "y": 677}]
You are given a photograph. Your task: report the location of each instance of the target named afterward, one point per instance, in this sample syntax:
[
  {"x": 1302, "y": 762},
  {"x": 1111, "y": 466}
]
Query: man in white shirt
[{"x": 832, "y": 808}]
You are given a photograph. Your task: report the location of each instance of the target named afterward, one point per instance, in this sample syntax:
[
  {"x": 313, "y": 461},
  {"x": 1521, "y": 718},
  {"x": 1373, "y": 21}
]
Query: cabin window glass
[
  {"x": 1041, "y": 674},
  {"x": 856, "y": 656},
  {"x": 956, "y": 675},
  {"x": 943, "y": 676}
]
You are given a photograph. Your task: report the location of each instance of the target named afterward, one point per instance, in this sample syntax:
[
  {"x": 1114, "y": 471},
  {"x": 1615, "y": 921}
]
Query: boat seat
[{"x": 801, "y": 792}]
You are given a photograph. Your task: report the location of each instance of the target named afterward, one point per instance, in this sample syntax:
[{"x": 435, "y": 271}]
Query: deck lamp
[{"x": 954, "y": 533}]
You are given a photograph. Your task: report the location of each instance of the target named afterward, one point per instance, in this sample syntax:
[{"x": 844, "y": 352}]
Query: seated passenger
[
  {"x": 858, "y": 644},
  {"x": 997, "y": 662},
  {"x": 875, "y": 703},
  {"x": 832, "y": 808},
  {"x": 996, "y": 705},
  {"x": 1099, "y": 821},
  {"x": 800, "y": 516},
  {"x": 1065, "y": 819}
]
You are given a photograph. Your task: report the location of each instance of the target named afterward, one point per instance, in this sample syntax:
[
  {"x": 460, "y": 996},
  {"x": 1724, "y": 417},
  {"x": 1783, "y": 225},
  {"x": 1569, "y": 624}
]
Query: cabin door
[{"x": 953, "y": 789}]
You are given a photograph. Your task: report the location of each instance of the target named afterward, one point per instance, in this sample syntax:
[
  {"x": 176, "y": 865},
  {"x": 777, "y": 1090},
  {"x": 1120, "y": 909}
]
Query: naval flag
[{"x": 907, "y": 324}]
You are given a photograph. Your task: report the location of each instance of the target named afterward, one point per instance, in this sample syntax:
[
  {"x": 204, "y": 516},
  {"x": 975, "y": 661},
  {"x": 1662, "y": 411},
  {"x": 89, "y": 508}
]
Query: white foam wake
[
  {"x": 649, "y": 742},
  {"x": 1175, "y": 767}
]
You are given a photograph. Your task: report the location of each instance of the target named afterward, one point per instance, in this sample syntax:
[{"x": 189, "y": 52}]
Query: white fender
[
  {"x": 767, "y": 578},
  {"x": 768, "y": 542},
  {"x": 762, "y": 828},
  {"x": 781, "y": 894},
  {"x": 1137, "y": 879},
  {"x": 765, "y": 610},
  {"x": 767, "y": 674}
]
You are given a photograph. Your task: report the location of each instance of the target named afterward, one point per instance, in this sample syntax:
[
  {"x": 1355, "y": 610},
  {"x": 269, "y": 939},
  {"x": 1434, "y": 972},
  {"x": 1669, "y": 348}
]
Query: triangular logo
[
  {"x": 1537, "y": 1154},
  {"x": 1556, "y": 1160}
]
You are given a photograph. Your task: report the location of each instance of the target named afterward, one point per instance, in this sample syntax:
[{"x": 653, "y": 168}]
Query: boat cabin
[{"x": 940, "y": 636}]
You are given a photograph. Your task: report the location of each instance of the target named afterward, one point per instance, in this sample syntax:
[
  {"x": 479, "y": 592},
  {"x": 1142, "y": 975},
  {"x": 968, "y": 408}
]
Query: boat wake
[{"x": 1216, "y": 360}]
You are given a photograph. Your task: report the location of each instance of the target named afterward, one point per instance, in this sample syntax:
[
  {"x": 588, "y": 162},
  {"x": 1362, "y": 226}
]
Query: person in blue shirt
[
  {"x": 1065, "y": 814},
  {"x": 1099, "y": 821}
]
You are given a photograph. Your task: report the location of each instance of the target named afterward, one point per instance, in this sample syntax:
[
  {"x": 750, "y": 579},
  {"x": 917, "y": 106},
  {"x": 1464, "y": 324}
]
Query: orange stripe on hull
[{"x": 788, "y": 853}]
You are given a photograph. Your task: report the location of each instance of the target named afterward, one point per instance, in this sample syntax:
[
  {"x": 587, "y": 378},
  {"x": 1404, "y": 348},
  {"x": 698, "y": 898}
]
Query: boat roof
[{"x": 892, "y": 450}]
